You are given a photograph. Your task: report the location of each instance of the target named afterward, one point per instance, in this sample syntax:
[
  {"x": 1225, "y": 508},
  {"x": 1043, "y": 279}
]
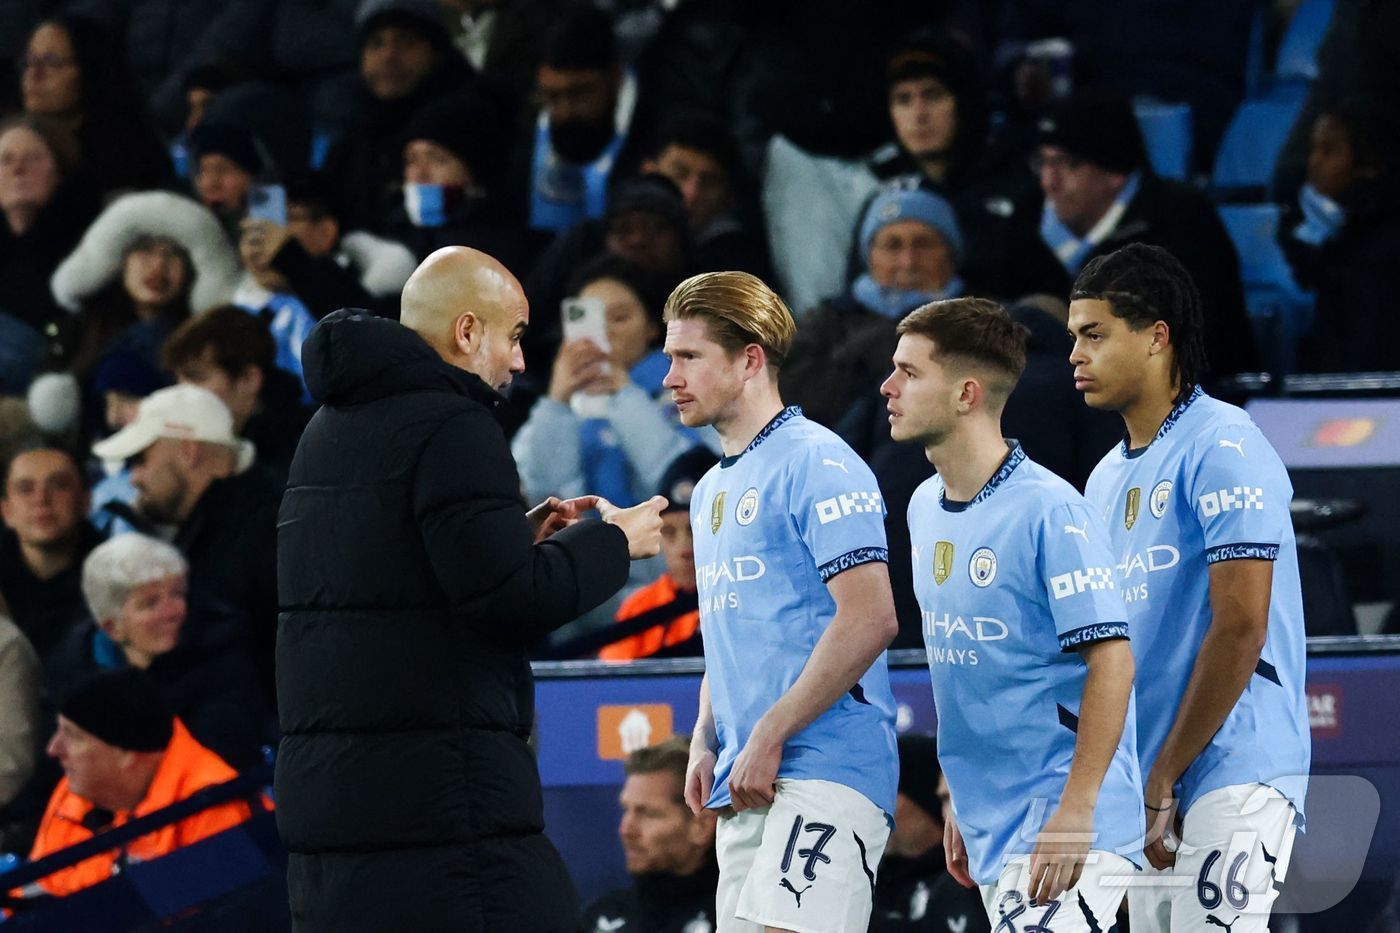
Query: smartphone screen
[
  {"x": 268, "y": 202},
  {"x": 585, "y": 318}
]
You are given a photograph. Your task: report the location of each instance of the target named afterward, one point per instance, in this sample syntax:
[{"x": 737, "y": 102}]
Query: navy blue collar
[
  {"x": 1167, "y": 424},
  {"x": 781, "y": 418},
  {"x": 1014, "y": 457}
]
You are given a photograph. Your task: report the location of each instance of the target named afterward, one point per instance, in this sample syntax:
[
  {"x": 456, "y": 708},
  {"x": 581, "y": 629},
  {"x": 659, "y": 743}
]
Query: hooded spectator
[{"x": 143, "y": 266}]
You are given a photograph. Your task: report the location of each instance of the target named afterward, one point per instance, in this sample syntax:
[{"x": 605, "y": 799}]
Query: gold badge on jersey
[
  {"x": 942, "y": 561},
  {"x": 717, "y": 513},
  {"x": 1130, "y": 508}
]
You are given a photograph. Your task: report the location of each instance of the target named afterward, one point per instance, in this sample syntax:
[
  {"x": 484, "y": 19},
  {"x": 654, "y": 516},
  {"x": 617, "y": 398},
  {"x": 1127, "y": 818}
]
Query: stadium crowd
[{"x": 189, "y": 187}]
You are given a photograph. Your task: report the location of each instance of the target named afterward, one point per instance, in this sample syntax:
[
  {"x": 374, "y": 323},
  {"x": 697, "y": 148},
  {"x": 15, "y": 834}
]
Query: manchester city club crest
[
  {"x": 747, "y": 509},
  {"x": 983, "y": 566},
  {"x": 1161, "y": 495},
  {"x": 1130, "y": 508},
  {"x": 717, "y": 513},
  {"x": 942, "y": 561}
]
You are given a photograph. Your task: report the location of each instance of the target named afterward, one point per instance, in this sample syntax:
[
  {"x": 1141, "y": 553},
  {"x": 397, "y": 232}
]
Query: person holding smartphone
[{"x": 601, "y": 425}]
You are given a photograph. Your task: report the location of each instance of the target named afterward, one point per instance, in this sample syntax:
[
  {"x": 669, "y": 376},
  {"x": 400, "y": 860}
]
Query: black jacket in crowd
[
  {"x": 230, "y": 541},
  {"x": 1356, "y": 276},
  {"x": 657, "y": 903},
  {"x": 46, "y": 611},
  {"x": 1182, "y": 220},
  {"x": 411, "y": 590}
]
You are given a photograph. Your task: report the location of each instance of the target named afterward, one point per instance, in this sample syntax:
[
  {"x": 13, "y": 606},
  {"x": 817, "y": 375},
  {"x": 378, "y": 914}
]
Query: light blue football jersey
[
  {"x": 1010, "y": 586},
  {"x": 772, "y": 526},
  {"x": 1209, "y": 488}
]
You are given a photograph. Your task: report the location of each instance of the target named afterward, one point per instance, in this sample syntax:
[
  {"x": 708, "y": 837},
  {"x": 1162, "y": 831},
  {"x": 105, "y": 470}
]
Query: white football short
[
  {"x": 1091, "y": 906},
  {"x": 805, "y": 863},
  {"x": 1235, "y": 846}
]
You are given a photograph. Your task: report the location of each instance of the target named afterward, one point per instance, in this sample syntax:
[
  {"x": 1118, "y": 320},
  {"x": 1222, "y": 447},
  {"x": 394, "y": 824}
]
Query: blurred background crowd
[{"x": 188, "y": 186}]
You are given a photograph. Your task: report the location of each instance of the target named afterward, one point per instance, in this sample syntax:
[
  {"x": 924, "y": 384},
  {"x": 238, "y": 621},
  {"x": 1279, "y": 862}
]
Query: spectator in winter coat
[
  {"x": 1343, "y": 241},
  {"x": 46, "y": 205},
  {"x": 75, "y": 74},
  {"x": 911, "y": 248},
  {"x": 326, "y": 267},
  {"x": 406, "y": 60},
  {"x": 413, "y": 584},
  {"x": 605, "y": 424},
  {"x": 196, "y": 483},
  {"x": 125, "y": 756},
  {"x": 135, "y": 588},
  {"x": 454, "y": 168},
  {"x": 1100, "y": 193}
]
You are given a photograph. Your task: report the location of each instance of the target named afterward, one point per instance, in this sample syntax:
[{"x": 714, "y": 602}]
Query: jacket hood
[{"x": 355, "y": 356}]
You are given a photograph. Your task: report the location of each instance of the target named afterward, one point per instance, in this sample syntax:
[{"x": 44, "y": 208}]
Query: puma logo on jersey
[
  {"x": 608, "y": 925},
  {"x": 1213, "y": 921},
  {"x": 1082, "y": 532},
  {"x": 839, "y": 464},
  {"x": 1237, "y": 445},
  {"x": 784, "y": 883}
]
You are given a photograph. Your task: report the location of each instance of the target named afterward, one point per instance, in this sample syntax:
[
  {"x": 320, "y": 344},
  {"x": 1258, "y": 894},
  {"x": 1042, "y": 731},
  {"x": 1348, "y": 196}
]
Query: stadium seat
[
  {"x": 1278, "y": 309},
  {"x": 1244, "y": 165},
  {"x": 1166, "y": 131},
  {"x": 1297, "y": 53}
]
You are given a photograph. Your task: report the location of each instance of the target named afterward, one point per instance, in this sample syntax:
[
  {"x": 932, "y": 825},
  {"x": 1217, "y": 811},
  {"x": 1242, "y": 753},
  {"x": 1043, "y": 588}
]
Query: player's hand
[
  {"x": 755, "y": 771},
  {"x": 578, "y": 363},
  {"x": 1159, "y": 796},
  {"x": 954, "y": 852},
  {"x": 1060, "y": 851},
  {"x": 555, "y": 514},
  {"x": 641, "y": 524},
  {"x": 699, "y": 778}
]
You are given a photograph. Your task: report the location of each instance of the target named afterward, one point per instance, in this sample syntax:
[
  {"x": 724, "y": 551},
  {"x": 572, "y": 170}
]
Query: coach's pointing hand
[{"x": 641, "y": 524}]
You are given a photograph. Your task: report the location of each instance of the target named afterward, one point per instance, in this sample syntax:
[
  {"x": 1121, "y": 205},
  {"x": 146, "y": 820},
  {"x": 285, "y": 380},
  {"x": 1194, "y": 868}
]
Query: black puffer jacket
[{"x": 407, "y": 794}]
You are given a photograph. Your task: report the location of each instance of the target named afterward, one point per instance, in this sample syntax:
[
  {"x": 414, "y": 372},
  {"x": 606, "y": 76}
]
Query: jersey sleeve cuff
[
  {"x": 865, "y": 555},
  {"x": 1245, "y": 551},
  {"x": 1088, "y": 634}
]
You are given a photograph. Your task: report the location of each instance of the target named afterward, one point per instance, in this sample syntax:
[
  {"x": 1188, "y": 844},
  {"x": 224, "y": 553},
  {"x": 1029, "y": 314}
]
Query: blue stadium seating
[
  {"x": 1244, "y": 165},
  {"x": 1278, "y": 309},
  {"x": 1297, "y": 53},
  {"x": 1166, "y": 131}
]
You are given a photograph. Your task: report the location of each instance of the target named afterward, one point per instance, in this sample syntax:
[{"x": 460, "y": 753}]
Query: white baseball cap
[{"x": 180, "y": 412}]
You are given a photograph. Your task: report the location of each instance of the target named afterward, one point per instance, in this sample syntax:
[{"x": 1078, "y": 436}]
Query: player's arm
[
  {"x": 1239, "y": 604},
  {"x": 863, "y": 627},
  {"x": 704, "y": 743},
  {"x": 1063, "y": 844}
]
